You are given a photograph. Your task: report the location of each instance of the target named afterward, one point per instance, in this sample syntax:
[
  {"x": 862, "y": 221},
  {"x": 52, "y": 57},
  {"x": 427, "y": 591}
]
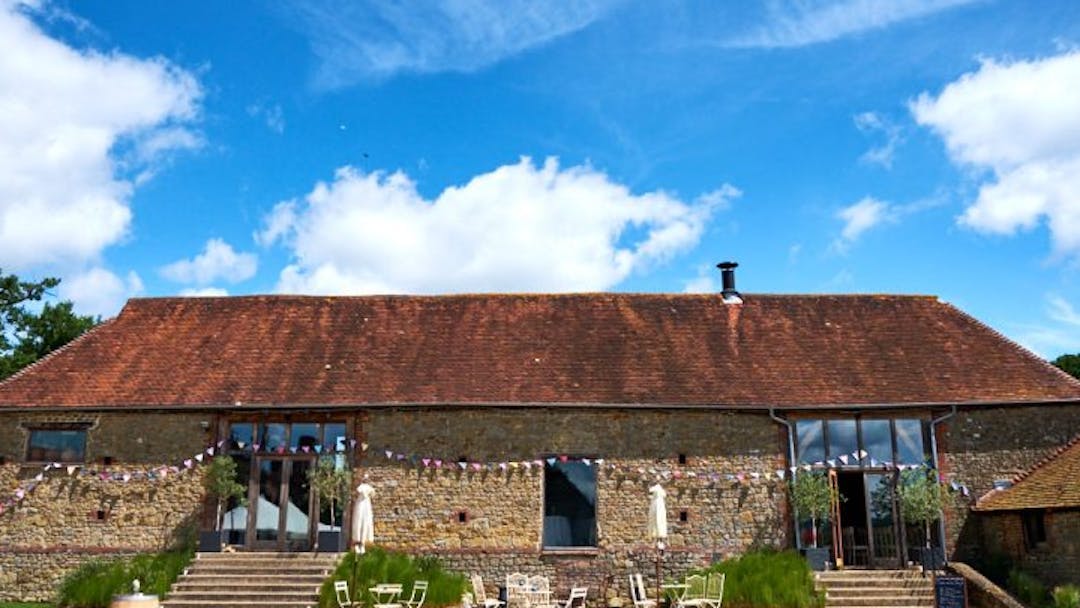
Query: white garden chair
[
  {"x": 516, "y": 586},
  {"x": 637, "y": 593},
  {"x": 714, "y": 591},
  {"x": 482, "y": 600},
  {"x": 341, "y": 594},
  {"x": 538, "y": 592},
  {"x": 419, "y": 589},
  {"x": 694, "y": 597},
  {"x": 576, "y": 599}
]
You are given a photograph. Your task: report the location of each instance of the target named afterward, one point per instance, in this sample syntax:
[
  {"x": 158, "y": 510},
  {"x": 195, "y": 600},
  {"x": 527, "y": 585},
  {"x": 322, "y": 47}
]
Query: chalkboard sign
[{"x": 950, "y": 592}]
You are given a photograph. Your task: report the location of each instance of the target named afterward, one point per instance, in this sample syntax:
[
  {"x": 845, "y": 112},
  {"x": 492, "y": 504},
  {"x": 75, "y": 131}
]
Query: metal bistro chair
[
  {"x": 538, "y": 593},
  {"x": 482, "y": 600},
  {"x": 714, "y": 590},
  {"x": 341, "y": 594},
  {"x": 637, "y": 593},
  {"x": 694, "y": 597},
  {"x": 419, "y": 589},
  {"x": 576, "y": 599}
]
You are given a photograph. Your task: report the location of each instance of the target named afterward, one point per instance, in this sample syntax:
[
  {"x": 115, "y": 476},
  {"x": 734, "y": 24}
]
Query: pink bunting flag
[
  {"x": 476, "y": 466},
  {"x": 538, "y": 463},
  {"x": 527, "y": 465},
  {"x": 426, "y": 461},
  {"x": 401, "y": 456},
  {"x": 306, "y": 449},
  {"x": 503, "y": 465},
  {"x": 255, "y": 447},
  {"x": 20, "y": 493},
  {"x": 187, "y": 463},
  {"x": 438, "y": 463},
  {"x": 564, "y": 458}
]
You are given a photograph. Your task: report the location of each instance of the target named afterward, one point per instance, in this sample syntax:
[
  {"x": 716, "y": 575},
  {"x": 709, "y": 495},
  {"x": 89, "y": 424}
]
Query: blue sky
[{"x": 869, "y": 146}]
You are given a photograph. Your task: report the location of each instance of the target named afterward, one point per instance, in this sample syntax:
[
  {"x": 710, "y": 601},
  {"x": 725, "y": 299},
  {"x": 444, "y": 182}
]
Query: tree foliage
[
  {"x": 1070, "y": 364},
  {"x": 331, "y": 483},
  {"x": 25, "y": 335}
]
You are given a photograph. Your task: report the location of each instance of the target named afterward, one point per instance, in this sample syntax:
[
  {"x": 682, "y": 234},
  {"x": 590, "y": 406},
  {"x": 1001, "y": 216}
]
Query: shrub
[
  {"x": 1066, "y": 596},
  {"x": 768, "y": 578},
  {"x": 1027, "y": 588},
  {"x": 380, "y": 566},
  {"x": 94, "y": 583}
]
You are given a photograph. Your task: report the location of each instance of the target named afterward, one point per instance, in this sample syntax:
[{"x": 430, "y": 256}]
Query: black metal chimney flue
[{"x": 727, "y": 275}]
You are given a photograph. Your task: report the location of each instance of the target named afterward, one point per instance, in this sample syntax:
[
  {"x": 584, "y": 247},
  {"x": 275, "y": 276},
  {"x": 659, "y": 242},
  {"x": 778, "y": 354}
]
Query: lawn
[{"x": 23, "y": 605}]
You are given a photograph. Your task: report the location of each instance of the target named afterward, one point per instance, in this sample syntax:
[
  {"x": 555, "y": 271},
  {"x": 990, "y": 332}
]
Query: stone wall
[
  {"x": 1055, "y": 562},
  {"x": 417, "y": 509},
  {"x": 68, "y": 519},
  {"x": 982, "y": 444}
]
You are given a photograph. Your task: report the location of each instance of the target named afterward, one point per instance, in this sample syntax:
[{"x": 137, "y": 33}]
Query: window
[
  {"x": 910, "y": 447},
  {"x": 57, "y": 445},
  {"x": 811, "y": 441},
  {"x": 877, "y": 441},
  {"x": 1034, "y": 528},
  {"x": 843, "y": 440},
  {"x": 569, "y": 504}
]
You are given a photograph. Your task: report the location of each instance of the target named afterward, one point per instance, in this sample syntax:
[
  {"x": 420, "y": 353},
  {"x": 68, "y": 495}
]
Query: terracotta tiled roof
[
  {"x": 1053, "y": 483},
  {"x": 505, "y": 349}
]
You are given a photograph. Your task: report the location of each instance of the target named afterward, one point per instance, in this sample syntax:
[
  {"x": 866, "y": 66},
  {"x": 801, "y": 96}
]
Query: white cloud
[
  {"x": 74, "y": 125},
  {"x": 272, "y": 115},
  {"x": 1020, "y": 123},
  {"x": 204, "y": 292},
  {"x": 98, "y": 291},
  {"x": 794, "y": 23},
  {"x": 871, "y": 123},
  {"x": 1057, "y": 336},
  {"x": 860, "y": 217},
  {"x": 521, "y": 227},
  {"x": 356, "y": 41},
  {"x": 218, "y": 260}
]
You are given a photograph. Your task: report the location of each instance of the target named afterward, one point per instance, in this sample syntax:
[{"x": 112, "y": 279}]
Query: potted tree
[
  {"x": 220, "y": 483},
  {"x": 332, "y": 484},
  {"x": 812, "y": 497},
  {"x": 921, "y": 500}
]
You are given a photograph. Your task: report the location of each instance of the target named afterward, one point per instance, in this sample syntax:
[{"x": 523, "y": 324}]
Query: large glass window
[
  {"x": 56, "y": 445},
  {"x": 877, "y": 441},
  {"x": 272, "y": 436},
  {"x": 909, "y": 442},
  {"x": 843, "y": 440},
  {"x": 240, "y": 435},
  {"x": 304, "y": 435},
  {"x": 811, "y": 441},
  {"x": 569, "y": 505}
]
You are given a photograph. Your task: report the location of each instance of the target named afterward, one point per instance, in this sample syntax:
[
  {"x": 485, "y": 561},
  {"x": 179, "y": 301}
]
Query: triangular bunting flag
[
  {"x": 844, "y": 459},
  {"x": 210, "y": 451},
  {"x": 426, "y": 461},
  {"x": 187, "y": 463},
  {"x": 199, "y": 457},
  {"x": 39, "y": 477},
  {"x": 389, "y": 454},
  {"x": 476, "y": 466},
  {"x": 551, "y": 462},
  {"x": 779, "y": 473},
  {"x": 71, "y": 469}
]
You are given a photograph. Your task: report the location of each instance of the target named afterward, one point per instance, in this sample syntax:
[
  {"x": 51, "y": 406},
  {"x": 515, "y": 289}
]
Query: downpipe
[
  {"x": 791, "y": 463},
  {"x": 937, "y": 470}
]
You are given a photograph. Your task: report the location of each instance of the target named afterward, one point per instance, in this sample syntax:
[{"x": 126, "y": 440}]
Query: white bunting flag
[{"x": 199, "y": 457}]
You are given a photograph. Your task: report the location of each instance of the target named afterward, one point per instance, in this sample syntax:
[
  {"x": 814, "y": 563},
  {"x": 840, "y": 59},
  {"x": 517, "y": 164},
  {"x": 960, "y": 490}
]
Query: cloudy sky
[{"x": 332, "y": 147}]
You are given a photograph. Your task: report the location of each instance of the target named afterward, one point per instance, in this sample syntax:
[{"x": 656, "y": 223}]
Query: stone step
[
  {"x": 230, "y": 584},
  {"x": 288, "y": 557},
  {"x": 883, "y": 591},
  {"x": 240, "y": 570},
  {"x": 873, "y": 581},
  {"x": 253, "y": 594},
  {"x": 879, "y": 600},
  {"x": 237, "y": 604},
  {"x": 851, "y": 573}
]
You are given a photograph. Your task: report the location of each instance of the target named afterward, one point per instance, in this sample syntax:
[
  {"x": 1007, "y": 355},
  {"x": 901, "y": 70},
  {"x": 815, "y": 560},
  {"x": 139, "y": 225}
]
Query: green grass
[
  {"x": 767, "y": 578},
  {"x": 379, "y": 566},
  {"x": 24, "y": 605},
  {"x": 94, "y": 583}
]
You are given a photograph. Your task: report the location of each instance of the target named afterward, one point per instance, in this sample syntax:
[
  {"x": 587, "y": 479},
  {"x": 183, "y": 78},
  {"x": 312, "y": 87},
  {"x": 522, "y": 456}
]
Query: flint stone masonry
[
  {"x": 416, "y": 509},
  {"x": 67, "y": 520},
  {"x": 984, "y": 444},
  {"x": 1055, "y": 562}
]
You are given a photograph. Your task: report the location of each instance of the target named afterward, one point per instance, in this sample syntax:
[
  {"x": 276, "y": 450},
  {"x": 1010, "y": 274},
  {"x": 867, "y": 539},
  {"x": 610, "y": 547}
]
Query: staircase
[
  {"x": 877, "y": 589},
  {"x": 249, "y": 580}
]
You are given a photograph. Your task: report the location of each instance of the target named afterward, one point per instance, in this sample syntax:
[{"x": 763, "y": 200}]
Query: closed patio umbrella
[
  {"x": 658, "y": 528},
  {"x": 363, "y": 520}
]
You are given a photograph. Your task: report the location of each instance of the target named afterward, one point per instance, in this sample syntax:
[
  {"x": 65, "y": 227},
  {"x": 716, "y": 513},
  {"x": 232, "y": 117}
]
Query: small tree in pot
[
  {"x": 220, "y": 483},
  {"x": 921, "y": 500},
  {"x": 812, "y": 497},
  {"x": 332, "y": 484}
]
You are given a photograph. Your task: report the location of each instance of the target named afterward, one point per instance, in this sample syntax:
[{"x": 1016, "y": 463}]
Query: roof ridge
[
  {"x": 1017, "y": 347},
  {"x": 503, "y": 295},
  {"x": 51, "y": 354},
  {"x": 1023, "y": 475}
]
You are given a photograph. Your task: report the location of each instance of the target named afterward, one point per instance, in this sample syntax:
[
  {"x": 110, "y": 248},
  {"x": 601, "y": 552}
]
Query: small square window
[
  {"x": 684, "y": 516},
  {"x": 682, "y": 458},
  {"x": 462, "y": 517},
  {"x": 56, "y": 445}
]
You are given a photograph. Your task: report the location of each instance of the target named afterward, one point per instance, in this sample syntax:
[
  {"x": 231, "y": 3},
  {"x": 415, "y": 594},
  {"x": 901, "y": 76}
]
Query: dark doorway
[{"x": 856, "y": 540}]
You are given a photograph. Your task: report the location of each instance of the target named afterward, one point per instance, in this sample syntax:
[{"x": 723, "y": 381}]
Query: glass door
[
  {"x": 885, "y": 542},
  {"x": 282, "y": 506}
]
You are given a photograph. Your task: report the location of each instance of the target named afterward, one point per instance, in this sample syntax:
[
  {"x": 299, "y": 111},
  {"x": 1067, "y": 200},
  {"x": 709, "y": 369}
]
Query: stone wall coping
[
  {"x": 54, "y": 549},
  {"x": 999, "y": 597}
]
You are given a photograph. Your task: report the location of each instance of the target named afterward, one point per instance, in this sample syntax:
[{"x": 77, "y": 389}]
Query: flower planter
[
  {"x": 330, "y": 541},
  {"x": 209, "y": 541},
  {"x": 817, "y": 558}
]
